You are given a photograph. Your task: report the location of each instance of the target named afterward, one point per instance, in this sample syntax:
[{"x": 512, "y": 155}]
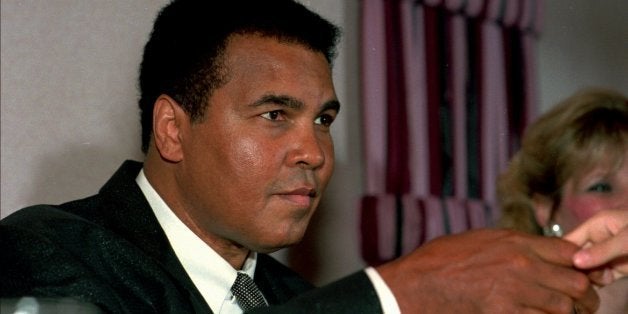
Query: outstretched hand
[
  {"x": 604, "y": 242},
  {"x": 490, "y": 271}
]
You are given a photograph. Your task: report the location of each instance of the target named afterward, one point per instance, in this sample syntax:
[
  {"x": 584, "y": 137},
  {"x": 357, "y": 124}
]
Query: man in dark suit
[{"x": 237, "y": 103}]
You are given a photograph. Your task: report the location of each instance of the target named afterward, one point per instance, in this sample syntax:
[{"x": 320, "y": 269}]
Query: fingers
[
  {"x": 567, "y": 280},
  {"x": 601, "y": 277},
  {"x": 561, "y": 285},
  {"x": 495, "y": 271},
  {"x": 586, "y": 232},
  {"x": 552, "y": 301},
  {"x": 554, "y": 250},
  {"x": 604, "y": 239},
  {"x": 580, "y": 309},
  {"x": 600, "y": 227},
  {"x": 589, "y": 303},
  {"x": 603, "y": 251}
]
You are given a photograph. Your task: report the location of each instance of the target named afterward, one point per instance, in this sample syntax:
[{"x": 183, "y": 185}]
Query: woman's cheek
[{"x": 582, "y": 208}]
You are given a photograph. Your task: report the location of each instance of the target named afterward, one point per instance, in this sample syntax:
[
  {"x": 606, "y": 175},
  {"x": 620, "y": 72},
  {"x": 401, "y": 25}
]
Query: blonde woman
[{"x": 573, "y": 165}]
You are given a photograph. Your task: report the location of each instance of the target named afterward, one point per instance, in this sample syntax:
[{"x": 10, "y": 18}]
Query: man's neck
[{"x": 159, "y": 176}]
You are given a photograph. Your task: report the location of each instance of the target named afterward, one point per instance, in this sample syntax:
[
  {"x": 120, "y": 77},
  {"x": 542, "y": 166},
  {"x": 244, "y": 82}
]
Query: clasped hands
[
  {"x": 504, "y": 271},
  {"x": 604, "y": 242}
]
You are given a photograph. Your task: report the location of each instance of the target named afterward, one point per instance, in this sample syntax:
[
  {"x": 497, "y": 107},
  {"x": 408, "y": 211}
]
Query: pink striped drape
[{"x": 447, "y": 89}]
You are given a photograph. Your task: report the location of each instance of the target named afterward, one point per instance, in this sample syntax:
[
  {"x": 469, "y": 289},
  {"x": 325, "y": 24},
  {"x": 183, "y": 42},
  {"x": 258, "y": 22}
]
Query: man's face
[{"x": 255, "y": 167}]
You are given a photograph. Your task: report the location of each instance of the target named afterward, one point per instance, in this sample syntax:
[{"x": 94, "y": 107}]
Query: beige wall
[
  {"x": 69, "y": 117},
  {"x": 69, "y": 113},
  {"x": 584, "y": 43}
]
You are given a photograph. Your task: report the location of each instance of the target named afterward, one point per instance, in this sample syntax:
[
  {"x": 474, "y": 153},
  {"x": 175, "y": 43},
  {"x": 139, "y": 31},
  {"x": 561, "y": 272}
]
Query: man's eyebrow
[
  {"x": 292, "y": 102},
  {"x": 281, "y": 100},
  {"x": 331, "y": 105}
]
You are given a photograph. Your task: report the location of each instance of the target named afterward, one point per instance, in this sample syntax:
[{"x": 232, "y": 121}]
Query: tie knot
[{"x": 246, "y": 292}]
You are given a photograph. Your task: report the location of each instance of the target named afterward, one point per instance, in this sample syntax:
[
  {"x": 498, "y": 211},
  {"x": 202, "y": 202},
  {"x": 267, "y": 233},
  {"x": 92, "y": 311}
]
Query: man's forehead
[{"x": 253, "y": 40}]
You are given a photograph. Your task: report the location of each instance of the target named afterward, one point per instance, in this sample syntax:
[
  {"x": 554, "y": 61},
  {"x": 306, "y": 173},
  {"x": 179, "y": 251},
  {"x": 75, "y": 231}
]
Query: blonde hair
[{"x": 587, "y": 129}]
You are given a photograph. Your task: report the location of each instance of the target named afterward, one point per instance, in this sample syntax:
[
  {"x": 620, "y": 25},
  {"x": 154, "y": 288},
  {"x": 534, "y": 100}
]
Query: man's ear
[
  {"x": 169, "y": 121},
  {"x": 543, "y": 206}
]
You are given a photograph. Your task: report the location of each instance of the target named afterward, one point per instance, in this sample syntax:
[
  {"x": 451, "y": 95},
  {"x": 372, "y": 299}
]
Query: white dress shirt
[{"x": 212, "y": 275}]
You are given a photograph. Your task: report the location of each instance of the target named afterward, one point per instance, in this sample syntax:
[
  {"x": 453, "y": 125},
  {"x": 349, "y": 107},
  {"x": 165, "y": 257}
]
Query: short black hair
[{"x": 182, "y": 57}]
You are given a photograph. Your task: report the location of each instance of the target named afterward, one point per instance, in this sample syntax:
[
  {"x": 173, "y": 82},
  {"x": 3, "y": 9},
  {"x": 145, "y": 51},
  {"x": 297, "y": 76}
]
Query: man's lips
[{"x": 300, "y": 196}]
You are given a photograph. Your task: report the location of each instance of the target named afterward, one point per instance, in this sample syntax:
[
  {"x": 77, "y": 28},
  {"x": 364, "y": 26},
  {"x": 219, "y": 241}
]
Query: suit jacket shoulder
[{"x": 109, "y": 250}]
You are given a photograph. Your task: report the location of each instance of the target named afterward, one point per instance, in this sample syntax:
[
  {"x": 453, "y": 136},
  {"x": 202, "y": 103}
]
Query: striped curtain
[{"x": 447, "y": 88}]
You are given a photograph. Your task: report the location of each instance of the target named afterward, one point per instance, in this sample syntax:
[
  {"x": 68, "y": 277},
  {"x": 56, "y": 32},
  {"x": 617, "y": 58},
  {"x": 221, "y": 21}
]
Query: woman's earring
[{"x": 553, "y": 230}]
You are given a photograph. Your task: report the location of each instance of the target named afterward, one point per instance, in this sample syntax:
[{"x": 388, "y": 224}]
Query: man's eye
[
  {"x": 600, "y": 187},
  {"x": 324, "y": 119},
  {"x": 272, "y": 115}
]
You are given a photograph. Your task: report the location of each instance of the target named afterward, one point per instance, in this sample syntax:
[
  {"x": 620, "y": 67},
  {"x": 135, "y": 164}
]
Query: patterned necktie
[{"x": 246, "y": 292}]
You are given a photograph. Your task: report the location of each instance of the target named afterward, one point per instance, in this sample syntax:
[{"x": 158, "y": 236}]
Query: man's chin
[{"x": 271, "y": 247}]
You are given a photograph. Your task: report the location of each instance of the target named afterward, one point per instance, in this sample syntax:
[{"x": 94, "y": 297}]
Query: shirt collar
[{"x": 212, "y": 275}]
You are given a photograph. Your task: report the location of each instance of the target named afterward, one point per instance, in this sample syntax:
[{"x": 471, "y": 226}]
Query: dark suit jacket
[{"x": 109, "y": 250}]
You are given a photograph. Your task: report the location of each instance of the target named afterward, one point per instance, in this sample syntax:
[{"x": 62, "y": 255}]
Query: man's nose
[{"x": 307, "y": 150}]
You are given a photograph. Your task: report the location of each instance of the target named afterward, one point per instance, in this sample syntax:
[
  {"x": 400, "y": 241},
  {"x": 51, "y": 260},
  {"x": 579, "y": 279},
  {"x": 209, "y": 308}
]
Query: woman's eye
[
  {"x": 600, "y": 187},
  {"x": 272, "y": 115},
  {"x": 324, "y": 119}
]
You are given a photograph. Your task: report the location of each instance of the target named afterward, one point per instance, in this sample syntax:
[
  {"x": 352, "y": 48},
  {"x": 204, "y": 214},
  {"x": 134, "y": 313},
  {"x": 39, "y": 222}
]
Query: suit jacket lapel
[
  {"x": 132, "y": 217},
  {"x": 277, "y": 282}
]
